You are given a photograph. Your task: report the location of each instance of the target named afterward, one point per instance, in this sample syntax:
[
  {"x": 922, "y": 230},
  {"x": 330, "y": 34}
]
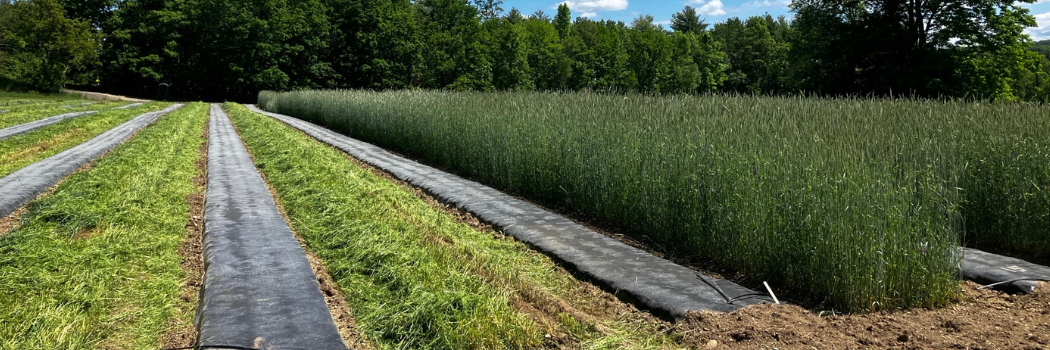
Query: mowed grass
[
  {"x": 10, "y": 98},
  {"x": 859, "y": 203},
  {"x": 28, "y": 113},
  {"x": 95, "y": 264},
  {"x": 21, "y": 150},
  {"x": 415, "y": 277}
]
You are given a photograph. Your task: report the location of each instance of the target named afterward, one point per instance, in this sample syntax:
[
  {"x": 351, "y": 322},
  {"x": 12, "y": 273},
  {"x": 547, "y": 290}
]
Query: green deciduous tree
[
  {"x": 921, "y": 47},
  {"x": 42, "y": 48},
  {"x": 375, "y": 43},
  {"x": 489, "y": 9},
  {"x": 509, "y": 50},
  {"x": 454, "y": 52},
  {"x": 563, "y": 20}
]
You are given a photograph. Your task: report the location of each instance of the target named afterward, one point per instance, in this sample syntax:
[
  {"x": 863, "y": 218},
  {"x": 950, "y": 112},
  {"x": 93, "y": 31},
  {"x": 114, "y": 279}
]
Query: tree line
[{"x": 231, "y": 49}]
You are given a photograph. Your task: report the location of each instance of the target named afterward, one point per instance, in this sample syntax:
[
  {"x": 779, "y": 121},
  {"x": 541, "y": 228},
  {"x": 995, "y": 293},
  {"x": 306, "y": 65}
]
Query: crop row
[{"x": 862, "y": 203}]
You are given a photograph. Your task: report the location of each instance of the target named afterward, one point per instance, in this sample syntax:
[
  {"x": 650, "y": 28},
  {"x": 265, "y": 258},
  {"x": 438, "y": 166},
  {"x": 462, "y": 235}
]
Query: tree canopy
[{"x": 231, "y": 49}]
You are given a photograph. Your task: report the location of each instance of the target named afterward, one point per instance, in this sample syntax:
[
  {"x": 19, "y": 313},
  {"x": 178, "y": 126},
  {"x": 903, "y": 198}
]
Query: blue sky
[{"x": 713, "y": 10}]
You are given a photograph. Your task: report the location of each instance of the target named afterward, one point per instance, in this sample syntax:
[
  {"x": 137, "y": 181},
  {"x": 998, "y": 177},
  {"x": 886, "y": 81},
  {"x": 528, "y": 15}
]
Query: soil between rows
[
  {"x": 180, "y": 333},
  {"x": 982, "y": 319}
]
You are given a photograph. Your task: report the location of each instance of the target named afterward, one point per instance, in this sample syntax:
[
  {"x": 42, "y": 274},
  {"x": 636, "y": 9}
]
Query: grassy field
[
  {"x": 27, "y": 113},
  {"x": 94, "y": 265},
  {"x": 20, "y": 150},
  {"x": 415, "y": 277},
  {"x": 856, "y": 202}
]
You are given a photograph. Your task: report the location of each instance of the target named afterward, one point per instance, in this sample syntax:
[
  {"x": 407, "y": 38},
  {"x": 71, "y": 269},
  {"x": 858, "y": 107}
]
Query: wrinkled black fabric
[
  {"x": 987, "y": 268},
  {"x": 258, "y": 289},
  {"x": 666, "y": 288},
  {"x": 25, "y": 184}
]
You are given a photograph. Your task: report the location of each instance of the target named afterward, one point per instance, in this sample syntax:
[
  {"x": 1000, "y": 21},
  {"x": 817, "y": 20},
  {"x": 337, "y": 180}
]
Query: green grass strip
[
  {"x": 21, "y": 150},
  {"x": 415, "y": 277},
  {"x": 95, "y": 265},
  {"x": 18, "y": 96},
  {"x": 16, "y": 116}
]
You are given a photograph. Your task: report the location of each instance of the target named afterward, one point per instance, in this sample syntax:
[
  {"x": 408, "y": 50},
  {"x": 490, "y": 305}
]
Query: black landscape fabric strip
[
  {"x": 258, "y": 290},
  {"x": 25, "y": 184},
  {"x": 666, "y": 288},
  {"x": 37, "y": 124},
  {"x": 987, "y": 268}
]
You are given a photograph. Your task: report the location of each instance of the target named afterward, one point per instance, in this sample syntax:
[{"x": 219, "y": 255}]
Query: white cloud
[
  {"x": 591, "y": 7},
  {"x": 776, "y": 3},
  {"x": 1042, "y": 29},
  {"x": 709, "y": 8},
  {"x": 589, "y": 14}
]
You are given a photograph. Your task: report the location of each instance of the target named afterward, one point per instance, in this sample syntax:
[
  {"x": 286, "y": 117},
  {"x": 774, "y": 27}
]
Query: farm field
[
  {"x": 26, "y": 113},
  {"x": 24, "y": 149},
  {"x": 858, "y": 205},
  {"x": 95, "y": 264},
  {"x": 111, "y": 257}
]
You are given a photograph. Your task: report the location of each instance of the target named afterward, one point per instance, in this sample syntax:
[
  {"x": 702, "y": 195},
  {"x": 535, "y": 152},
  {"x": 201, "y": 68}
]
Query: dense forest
[{"x": 231, "y": 49}]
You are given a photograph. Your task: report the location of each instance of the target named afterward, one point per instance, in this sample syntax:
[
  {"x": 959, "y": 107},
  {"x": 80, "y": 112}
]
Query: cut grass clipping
[
  {"x": 16, "y": 115},
  {"x": 415, "y": 277},
  {"x": 95, "y": 265},
  {"x": 21, "y": 150},
  {"x": 860, "y": 203}
]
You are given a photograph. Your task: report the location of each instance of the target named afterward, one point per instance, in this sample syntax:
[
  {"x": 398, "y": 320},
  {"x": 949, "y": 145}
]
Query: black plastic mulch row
[
  {"x": 258, "y": 291},
  {"x": 660, "y": 285},
  {"x": 1009, "y": 274},
  {"x": 37, "y": 124},
  {"x": 25, "y": 184}
]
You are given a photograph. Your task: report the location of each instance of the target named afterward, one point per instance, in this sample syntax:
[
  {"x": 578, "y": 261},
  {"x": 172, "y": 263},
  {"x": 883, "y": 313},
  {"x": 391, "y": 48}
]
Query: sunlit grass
[
  {"x": 26, "y": 113},
  {"x": 21, "y": 150},
  {"x": 95, "y": 264},
  {"x": 860, "y": 202}
]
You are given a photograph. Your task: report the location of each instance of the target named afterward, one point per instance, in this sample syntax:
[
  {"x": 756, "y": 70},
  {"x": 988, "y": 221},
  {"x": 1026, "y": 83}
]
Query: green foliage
[
  {"x": 374, "y": 43},
  {"x": 453, "y": 51},
  {"x": 41, "y": 48},
  {"x": 756, "y": 51},
  {"x": 232, "y": 49},
  {"x": 509, "y": 51},
  {"x": 563, "y": 20},
  {"x": 975, "y": 49},
  {"x": 688, "y": 21}
]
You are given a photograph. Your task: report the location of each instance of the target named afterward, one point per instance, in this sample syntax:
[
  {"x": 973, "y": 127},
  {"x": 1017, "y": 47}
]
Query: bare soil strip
[
  {"x": 101, "y": 96},
  {"x": 983, "y": 319},
  {"x": 666, "y": 288},
  {"x": 259, "y": 290},
  {"x": 25, "y": 184},
  {"x": 191, "y": 250},
  {"x": 37, "y": 124}
]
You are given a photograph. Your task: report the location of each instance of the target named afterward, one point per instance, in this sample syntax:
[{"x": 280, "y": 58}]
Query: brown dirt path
[
  {"x": 101, "y": 96},
  {"x": 982, "y": 319}
]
